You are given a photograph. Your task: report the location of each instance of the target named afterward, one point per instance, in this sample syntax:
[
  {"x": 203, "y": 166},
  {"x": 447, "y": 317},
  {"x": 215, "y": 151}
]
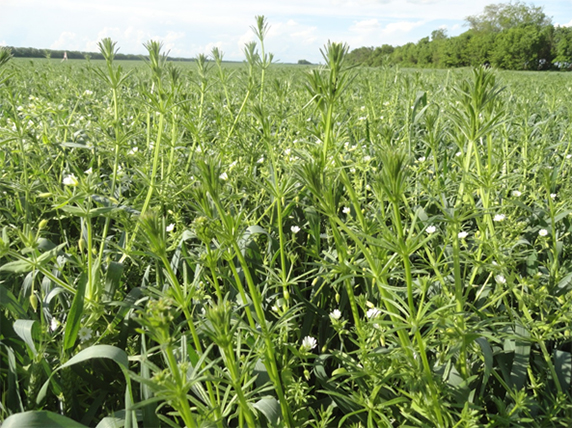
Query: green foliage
[
  {"x": 512, "y": 36},
  {"x": 189, "y": 246}
]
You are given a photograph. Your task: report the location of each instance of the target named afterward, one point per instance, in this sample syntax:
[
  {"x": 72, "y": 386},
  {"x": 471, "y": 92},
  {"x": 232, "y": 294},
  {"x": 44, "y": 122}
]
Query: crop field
[{"x": 203, "y": 244}]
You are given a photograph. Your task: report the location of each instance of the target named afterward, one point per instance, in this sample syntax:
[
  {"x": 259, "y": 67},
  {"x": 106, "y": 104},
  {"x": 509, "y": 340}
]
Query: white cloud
[
  {"x": 292, "y": 31},
  {"x": 401, "y": 27},
  {"x": 67, "y": 40},
  {"x": 3, "y": 43},
  {"x": 366, "y": 26},
  {"x": 170, "y": 43}
]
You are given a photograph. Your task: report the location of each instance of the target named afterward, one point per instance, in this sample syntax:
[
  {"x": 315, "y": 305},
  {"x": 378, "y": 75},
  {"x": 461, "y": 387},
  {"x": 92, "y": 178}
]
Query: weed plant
[{"x": 264, "y": 245}]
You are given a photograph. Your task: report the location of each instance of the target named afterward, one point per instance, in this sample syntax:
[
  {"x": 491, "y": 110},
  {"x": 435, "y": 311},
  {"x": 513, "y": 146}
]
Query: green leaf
[
  {"x": 8, "y": 301},
  {"x": 269, "y": 407},
  {"x": 18, "y": 266},
  {"x": 563, "y": 367},
  {"x": 25, "y": 329},
  {"x": 40, "y": 419},
  {"x": 520, "y": 362},
  {"x": 74, "y": 318},
  {"x": 112, "y": 280},
  {"x": 77, "y": 145},
  {"x": 97, "y": 351},
  {"x": 488, "y": 355}
]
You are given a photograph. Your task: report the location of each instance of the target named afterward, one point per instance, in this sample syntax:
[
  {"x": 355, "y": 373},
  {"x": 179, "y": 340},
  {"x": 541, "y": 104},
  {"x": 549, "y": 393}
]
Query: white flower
[
  {"x": 568, "y": 156},
  {"x": 260, "y": 160},
  {"x": 352, "y": 170},
  {"x": 88, "y": 92},
  {"x": 543, "y": 232},
  {"x": 84, "y": 334},
  {"x": 335, "y": 314},
  {"x": 499, "y": 217},
  {"x": 430, "y": 229},
  {"x": 295, "y": 229},
  {"x": 421, "y": 159},
  {"x": 462, "y": 235},
  {"x": 223, "y": 176},
  {"x": 516, "y": 193},
  {"x": 89, "y": 171},
  {"x": 308, "y": 343},
  {"x": 362, "y": 118},
  {"x": 70, "y": 180},
  {"x": 373, "y": 313},
  {"x": 133, "y": 151},
  {"x": 170, "y": 228},
  {"x": 232, "y": 165},
  {"x": 367, "y": 158},
  {"x": 500, "y": 279},
  {"x": 346, "y": 210},
  {"x": 553, "y": 195},
  {"x": 54, "y": 324},
  {"x": 458, "y": 154},
  {"x": 287, "y": 152}
]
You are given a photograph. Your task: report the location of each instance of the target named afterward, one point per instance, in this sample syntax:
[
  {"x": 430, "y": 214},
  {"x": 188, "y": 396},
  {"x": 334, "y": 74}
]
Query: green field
[{"x": 204, "y": 244}]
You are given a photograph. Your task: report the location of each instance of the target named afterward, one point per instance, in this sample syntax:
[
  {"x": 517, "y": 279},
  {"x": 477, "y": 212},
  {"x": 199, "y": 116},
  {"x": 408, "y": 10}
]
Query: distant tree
[
  {"x": 304, "y": 62},
  {"x": 504, "y": 16},
  {"x": 439, "y": 34},
  {"x": 526, "y": 47},
  {"x": 562, "y": 49}
]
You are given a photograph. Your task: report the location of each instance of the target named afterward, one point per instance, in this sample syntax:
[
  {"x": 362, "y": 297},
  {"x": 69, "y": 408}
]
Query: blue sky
[{"x": 298, "y": 28}]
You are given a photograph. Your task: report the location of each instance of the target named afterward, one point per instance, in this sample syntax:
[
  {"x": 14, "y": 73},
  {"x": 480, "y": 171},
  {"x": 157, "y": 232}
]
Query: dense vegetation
[
  {"x": 510, "y": 36},
  {"x": 202, "y": 245}
]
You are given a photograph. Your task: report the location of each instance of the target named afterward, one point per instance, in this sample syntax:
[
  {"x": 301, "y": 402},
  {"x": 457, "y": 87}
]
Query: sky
[{"x": 298, "y": 28}]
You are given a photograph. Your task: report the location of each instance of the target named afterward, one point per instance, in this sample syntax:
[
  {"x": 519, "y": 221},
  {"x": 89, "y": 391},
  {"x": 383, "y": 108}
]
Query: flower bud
[{"x": 34, "y": 302}]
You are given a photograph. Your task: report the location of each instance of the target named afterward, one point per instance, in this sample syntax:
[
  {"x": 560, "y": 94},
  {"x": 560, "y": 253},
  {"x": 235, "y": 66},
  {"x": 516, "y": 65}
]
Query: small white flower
[
  {"x": 516, "y": 193},
  {"x": 553, "y": 195},
  {"x": 89, "y": 171},
  {"x": 362, "y": 118},
  {"x": 70, "y": 180},
  {"x": 287, "y": 152},
  {"x": 499, "y": 217},
  {"x": 458, "y": 154},
  {"x": 232, "y": 165},
  {"x": 295, "y": 229},
  {"x": 430, "y": 229},
  {"x": 346, "y": 210},
  {"x": 335, "y": 314},
  {"x": 223, "y": 176},
  {"x": 170, "y": 228},
  {"x": 568, "y": 156},
  {"x": 421, "y": 159},
  {"x": 308, "y": 343},
  {"x": 462, "y": 235},
  {"x": 353, "y": 170},
  {"x": 500, "y": 279},
  {"x": 88, "y": 92},
  {"x": 543, "y": 232},
  {"x": 54, "y": 324},
  {"x": 260, "y": 160},
  {"x": 373, "y": 313},
  {"x": 367, "y": 158},
  {"x": 133, "y": 151},
  {"x": 84, "y": 334}
]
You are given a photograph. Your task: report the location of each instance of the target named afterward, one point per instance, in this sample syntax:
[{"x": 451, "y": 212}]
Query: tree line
[
  {"x": 511, "y": 36},
  {"x": 51, "y": 53}
]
